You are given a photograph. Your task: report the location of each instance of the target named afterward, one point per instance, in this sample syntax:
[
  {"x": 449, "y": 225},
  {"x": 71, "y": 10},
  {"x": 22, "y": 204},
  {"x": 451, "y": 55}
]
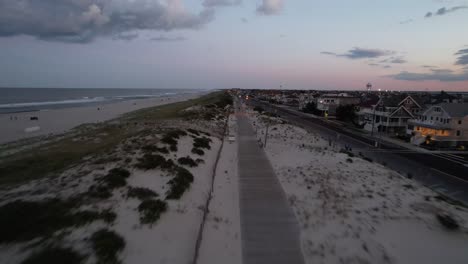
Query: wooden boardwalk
[{"x": 269, "y": 230}]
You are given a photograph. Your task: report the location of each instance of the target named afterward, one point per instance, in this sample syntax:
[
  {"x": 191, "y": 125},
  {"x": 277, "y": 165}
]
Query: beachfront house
[
  {"x": 390, "y": 114},
  {"x": 442, "y": 125},
  {"x": 328, "y": 103}
]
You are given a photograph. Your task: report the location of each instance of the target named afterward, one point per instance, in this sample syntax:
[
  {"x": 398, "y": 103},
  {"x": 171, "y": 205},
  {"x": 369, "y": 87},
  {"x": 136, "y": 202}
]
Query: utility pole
[
  {"x": 373, "y": 122},
  {"x": 266, "y": 132}
]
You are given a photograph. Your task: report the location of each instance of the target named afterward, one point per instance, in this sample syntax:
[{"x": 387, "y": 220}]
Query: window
[
  {"x": 458, "y": 133},
  {"x": 459, "y": 122},
  {"x": 437, "y": 118},
  {"x": 432, "y": 118}
]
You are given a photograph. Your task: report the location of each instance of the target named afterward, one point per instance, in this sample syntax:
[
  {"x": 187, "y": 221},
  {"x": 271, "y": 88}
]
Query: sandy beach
[
  {"x": 353, "y": 210},
  {"x": 57, "y": 121}
]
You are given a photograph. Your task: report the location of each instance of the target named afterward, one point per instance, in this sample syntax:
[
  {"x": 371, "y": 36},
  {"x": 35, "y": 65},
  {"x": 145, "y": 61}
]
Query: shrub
[
  {"x": 171, "y": 138},
  {"x": 108, "y": 216},
  {"x": 25, "y": 220},
  {"x": 153, "y": 148},
  {"x": 447, "y": 221},
  {"x": 187, "y": 161},
  {"x": 198, "y": 151},
  {"x": 54, "y": 255},
  {"x": 151, "y": 210},
  {"x": 106, "y": 244},
  {"x": 173, "y": 148},
  {"x": 99, "y": 192},
  {"x": 203, "y": 143},
  {"x": 116, "y": 178},
  {"x": 258, "y": 109},
  {"x": 180, "y": 183},
  {"x": 150, "y": 161},
  {"x": 193, "y": 131},
  {"x": 141, "y": 193}
]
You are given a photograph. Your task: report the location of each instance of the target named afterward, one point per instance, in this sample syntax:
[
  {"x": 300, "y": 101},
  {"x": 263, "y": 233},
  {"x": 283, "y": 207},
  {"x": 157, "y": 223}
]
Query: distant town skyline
[{"x": 208, "y": 44}]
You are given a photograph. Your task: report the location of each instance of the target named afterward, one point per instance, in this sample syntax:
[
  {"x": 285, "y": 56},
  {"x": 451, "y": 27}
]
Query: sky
[{"x": 212, "y": 44}]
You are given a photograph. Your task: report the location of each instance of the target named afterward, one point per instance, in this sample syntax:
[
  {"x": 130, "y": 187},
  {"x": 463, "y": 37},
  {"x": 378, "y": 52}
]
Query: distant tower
[{"x": 369, "y": 87}]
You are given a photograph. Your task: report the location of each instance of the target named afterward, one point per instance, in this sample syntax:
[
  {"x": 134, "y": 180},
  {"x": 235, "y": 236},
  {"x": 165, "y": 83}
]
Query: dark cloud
[
  {"x": 126, "y": 36},
  {"x": 379, "y": 65},
  {"x": 442, "y": 75},
  {"x": 82, "y": 21},
  {"x": 361, "y": 53},
  {"x": 217, "y": 3},
  {"x": 168, "y": 39},
  {"x": 394, "y": 60},
  {"x": 462, "y": 57},
  {"x": 406, "y": 21},
  {"x": 443, "y": 11},
  {"x": 270, "y": 7}
]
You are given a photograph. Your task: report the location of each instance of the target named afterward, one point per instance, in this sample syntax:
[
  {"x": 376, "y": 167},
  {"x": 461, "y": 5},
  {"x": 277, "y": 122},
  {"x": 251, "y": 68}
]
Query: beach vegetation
[
  {"x": 188, "y": 161},
  {"x": 141, "y": 193},
  {"x": 180, "y": 183},
  {"x": 116, "y": 178},
  {"x": 61, "y": 152},
  {"x": 25, "y": 220},
  {"x": 54, "y": 255},
  {"x": 106, "y": 245},
  {"x": 151, "y": 210},
  {"x": 198, "y": 151},
  {"x": 150, "y": 161},
  {"x": 447, "y": 221},
  {"x": 193, "y": 131},
  {"x": 202, "y": 143},
  {"x": 154, "y": 148}
]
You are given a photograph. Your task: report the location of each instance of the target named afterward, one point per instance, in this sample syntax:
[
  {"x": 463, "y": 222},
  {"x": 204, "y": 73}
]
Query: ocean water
[{"x": 34, "y": 99}]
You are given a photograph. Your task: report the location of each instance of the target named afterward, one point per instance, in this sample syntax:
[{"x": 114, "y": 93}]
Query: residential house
[
  {"x": 390, "y": 114},
  {"x": 328, "y": 103},
  {"x": 442, "y": 125}
]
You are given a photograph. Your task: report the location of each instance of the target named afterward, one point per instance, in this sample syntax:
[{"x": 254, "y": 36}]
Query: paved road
[
  {"x": 270, "y": 233},
  {"x": 443, "y": 173}
]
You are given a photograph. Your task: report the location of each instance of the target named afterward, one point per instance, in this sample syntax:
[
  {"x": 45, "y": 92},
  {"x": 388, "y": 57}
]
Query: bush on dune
[
  {"x": 180, "y": 183},
  {"x": 188, "y": 161},
  {"x": 150, "y": 161},
  {"x": 202, "y": 143},
  {"x": 151, "y": 210},
  {"x": 54, "y": 255},
  {"x": 107, "y": 244}
]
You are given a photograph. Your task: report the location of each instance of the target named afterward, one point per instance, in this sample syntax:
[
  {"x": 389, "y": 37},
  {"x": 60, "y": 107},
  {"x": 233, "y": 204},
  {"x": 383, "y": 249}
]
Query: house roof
[{"x": 454, "y": 109}]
